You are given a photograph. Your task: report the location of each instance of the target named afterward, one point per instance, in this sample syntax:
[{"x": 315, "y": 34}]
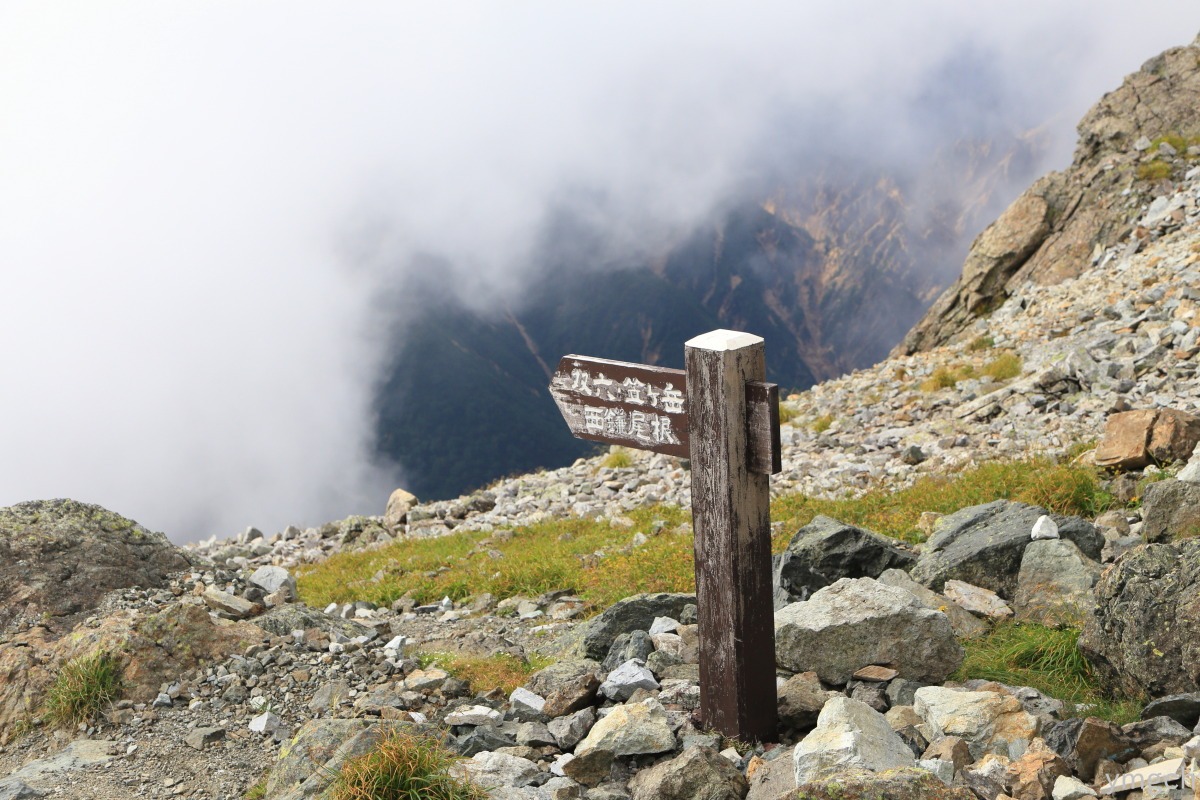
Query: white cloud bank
[{"x": 187, "y": 333}]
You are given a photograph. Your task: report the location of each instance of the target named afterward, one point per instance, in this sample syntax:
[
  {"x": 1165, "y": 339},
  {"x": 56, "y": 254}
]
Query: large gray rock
[
  {"x": 989, "y": 722},
  {"x": 59, "y": 557},
  {"x": 308, "y": 764},
  {"x": 1054, "y": 586},
  {"x": 898, "y": 784},
  {"x": 1170, "y": 510},
  {"x": 801, "y": 699},
  {"x": 825, "y": 550},
  {"x": 698, "y": 773},
  {"x": 568, "y": 686},
  {"x": 631, "y": 730},
  {"x": 983, "y": 545},
  {"x": 849, "y": 735},
  {"x": 857, "y": 622},
  {"x": 635, "y": 613},
  {"x": 1183, "y": 708},
  {"x": 965, "y": 624},
  {"x": 774, "y": 777},
  {"x": 1145, "y": 634}
]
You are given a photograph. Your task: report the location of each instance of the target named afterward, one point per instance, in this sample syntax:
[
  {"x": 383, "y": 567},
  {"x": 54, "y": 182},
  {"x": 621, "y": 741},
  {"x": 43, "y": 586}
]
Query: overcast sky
[{"x": 199, "y": 200}]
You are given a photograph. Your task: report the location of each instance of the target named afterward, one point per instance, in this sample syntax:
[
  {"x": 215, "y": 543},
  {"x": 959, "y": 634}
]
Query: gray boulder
[
  {"x": 1183, "y": 708},
  {"x": 983, "y": 545},
  {"x": 1145, "y": 634},
  {"x": 635, "y": 613},
  {"x": 825, "y": 550},
  {"x": 59, "y": 557},
  {"x": 1054, "y": 586},
  {"x": 1170, "y": 510},
  {"x": 965, "y": 624},
  {"x": 698, "y": 773},
  {"x": 849, "y": 735},
  {"x": 857, "y": 622}
]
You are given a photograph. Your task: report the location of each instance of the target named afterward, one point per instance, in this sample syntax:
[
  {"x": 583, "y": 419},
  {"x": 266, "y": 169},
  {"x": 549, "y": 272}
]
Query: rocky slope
[
  {"x": 227, "y": 676},
  {"x": 1067, "y": 221}
]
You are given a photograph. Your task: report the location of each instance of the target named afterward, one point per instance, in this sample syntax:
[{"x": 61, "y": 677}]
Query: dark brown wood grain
[
  {"x": 763, "y": 450},
  {"x": 574, "y": 397},
  {"x": 635, "y": 405},
  {"x": 731, "y": 519}
]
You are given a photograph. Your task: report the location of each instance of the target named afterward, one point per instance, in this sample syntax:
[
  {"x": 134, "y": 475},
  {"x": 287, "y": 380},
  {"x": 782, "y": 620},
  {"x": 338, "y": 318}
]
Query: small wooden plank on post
[{"x": 732, "y": 524}]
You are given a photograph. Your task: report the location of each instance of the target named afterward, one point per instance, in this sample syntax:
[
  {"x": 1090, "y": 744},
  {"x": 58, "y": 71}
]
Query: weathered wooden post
[
  {"x": 732, "y": 522},
  {"x": 721, "y": 414}
]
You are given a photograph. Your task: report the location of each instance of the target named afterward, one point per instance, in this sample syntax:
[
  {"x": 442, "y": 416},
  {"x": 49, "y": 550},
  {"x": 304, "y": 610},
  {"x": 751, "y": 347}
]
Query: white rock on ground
[{"x": 849, "y": 734}]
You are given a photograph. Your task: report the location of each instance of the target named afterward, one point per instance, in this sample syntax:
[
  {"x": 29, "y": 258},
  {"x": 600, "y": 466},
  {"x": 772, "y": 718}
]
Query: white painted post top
[{"x": 722, "y": 339}]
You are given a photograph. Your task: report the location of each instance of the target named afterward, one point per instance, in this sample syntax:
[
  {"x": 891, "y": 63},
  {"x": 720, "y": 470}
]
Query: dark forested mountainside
[{"x": 832, "y": 271}]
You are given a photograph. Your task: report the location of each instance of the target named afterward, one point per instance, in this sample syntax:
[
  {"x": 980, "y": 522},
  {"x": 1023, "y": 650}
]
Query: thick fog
[{"x": 201, "y": 203}]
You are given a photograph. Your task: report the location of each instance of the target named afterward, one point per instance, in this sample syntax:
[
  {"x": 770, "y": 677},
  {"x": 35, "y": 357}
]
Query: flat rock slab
[{"x": 77, "y": 755}]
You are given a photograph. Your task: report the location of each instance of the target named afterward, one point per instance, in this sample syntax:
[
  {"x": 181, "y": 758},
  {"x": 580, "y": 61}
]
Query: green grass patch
[
  {"x": 1003, "y": 367},
  {"x": 594, "y": 558},
  {"x": 822, "y": 423},
  {"x": 403, "y": 766},
  {"x": 1062, "y": 488},
  {"x": 84, "y": 688},
  {"x": 787, "y": 414},
  {"x": 485, "y": 673},
  {"x": 981, "y": 343},
  {"x": 258, "y": 791},
  {"x": 557, "y": 554},
  {"x": 617, "y": 458},
  {"x": 1154, "y": 170},
  {"x": 947, "y": 377},
  {"x": 1049, "y": 660}
]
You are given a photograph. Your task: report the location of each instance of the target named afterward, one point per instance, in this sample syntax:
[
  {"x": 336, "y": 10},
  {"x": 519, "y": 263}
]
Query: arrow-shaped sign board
[
  {"x": 635, "y": 405},
  {"x": 645, "y": 407},
  {"x": 724, "y": 417}
]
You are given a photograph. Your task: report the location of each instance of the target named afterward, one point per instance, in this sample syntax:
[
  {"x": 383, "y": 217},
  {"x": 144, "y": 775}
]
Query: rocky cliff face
[{"x": 1133, "y": 145}]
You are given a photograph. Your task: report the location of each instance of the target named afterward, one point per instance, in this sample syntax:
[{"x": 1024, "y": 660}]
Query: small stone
[
  {"x": 1044, "y": 528},
  {"x": 977, "y": 600},
  {"x": 626, "y": 679},
  {"x": 473, "y": 715},
  {"x": 200, "y": 738},
  {"x": 265, "y": 723},
  {"x": 874, "y": 672}
]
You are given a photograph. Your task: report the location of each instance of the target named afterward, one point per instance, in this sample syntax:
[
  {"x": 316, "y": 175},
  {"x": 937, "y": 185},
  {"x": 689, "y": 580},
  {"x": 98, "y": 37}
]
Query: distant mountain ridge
[{"x": 832, "y": 270}]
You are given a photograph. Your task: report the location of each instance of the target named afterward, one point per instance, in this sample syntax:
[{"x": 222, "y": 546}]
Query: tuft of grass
[
  {"x": 1154, "y": 170},
  {"x": 822, "y": 423},
  {"x": 787, "y": 414},
  {"x": 1049, "y": 660},
  {"x": 258, "y": 791},
  {"x": 984, "y": 342},
  {"x": 617, "y": 458},
  {"x": 404, "y": 766},
  {"x": 947, "y": 377},
  {"x": 485, "y": 673},
  {"x": 1003, "y": 367},
  {"x": 83, "y": 688},
  {"x": 1061, "y": 488}
]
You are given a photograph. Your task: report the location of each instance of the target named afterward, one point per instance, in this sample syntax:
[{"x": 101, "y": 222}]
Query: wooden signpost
[{"x": 721, "y": 414}]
